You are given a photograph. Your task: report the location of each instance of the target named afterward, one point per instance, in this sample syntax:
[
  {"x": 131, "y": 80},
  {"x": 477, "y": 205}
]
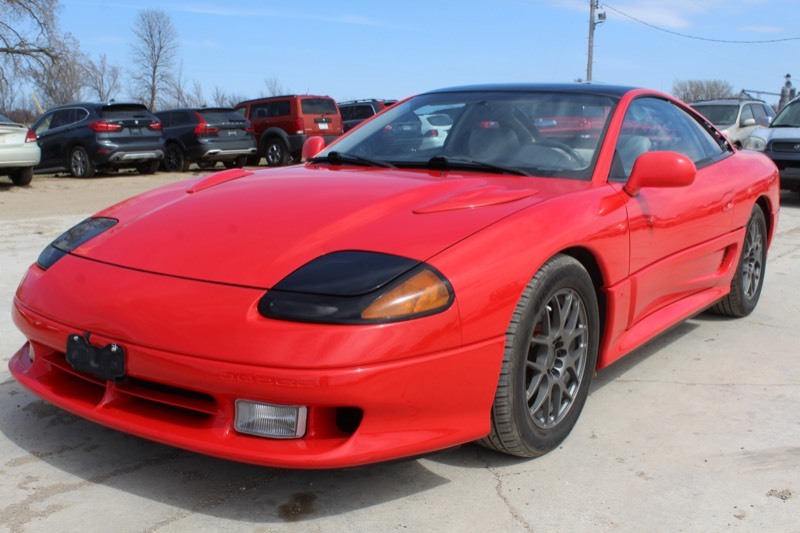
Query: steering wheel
[{"x": 567, "y": 149}]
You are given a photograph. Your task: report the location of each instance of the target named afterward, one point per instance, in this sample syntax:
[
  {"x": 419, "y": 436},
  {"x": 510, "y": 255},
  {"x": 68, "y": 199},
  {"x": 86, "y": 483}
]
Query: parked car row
[{"x": 89, "y": 137}]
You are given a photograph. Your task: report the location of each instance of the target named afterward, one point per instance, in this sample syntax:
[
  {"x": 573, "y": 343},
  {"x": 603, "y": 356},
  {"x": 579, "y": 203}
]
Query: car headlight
[
  {"x": 72, "y": 238},
  {"x": 354, "y": 287},
  {"x": 755, "y": 143}
]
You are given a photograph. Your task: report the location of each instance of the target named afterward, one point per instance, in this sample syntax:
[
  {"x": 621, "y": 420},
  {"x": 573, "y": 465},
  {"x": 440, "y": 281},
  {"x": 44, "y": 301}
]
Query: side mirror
[
  {"x": 749, "y": 122},
  {"x": 660, "y": 169},
  {"x": 312, "y": 147}
]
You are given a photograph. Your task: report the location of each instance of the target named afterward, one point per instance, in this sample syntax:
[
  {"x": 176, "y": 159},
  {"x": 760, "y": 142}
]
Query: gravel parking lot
[{"x": 697, "y": 431}]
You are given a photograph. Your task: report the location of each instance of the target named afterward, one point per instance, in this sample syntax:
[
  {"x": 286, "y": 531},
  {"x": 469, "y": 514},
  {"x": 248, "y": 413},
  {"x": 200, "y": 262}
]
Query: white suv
[{"x": 736, "y": 117}]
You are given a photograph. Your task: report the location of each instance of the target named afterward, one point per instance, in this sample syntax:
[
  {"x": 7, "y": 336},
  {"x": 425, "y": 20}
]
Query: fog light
[{"x": 273, "y": 421}]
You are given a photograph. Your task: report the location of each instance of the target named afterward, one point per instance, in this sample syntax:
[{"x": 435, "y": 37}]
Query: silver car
[
  {"x": 781, "y": 142},
  {"x": 19, "y": 152},
  {"x": 737, "y": 118}
]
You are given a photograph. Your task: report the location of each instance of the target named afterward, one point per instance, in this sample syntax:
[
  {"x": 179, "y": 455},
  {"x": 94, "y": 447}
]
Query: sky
[{"x": 352, "y": 49}]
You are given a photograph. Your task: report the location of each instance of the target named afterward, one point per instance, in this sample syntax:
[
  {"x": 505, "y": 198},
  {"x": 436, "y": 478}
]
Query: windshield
[
  {"x": 533, "y": 133},
  {"x": 789, "y": 116},
  {"x": 719, "y": 115}
]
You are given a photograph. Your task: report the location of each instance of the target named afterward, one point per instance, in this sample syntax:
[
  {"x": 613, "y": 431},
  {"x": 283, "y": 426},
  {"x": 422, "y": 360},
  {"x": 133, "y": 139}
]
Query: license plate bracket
[{"x": 107, "y": 362}]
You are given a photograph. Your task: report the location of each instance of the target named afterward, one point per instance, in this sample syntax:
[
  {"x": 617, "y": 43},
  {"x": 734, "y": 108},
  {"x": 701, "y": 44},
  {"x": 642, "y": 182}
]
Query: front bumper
[{"x": 357, "y": 414}]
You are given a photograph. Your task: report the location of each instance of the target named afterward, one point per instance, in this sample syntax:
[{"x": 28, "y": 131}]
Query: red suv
[{"x": 283, "y": 123}]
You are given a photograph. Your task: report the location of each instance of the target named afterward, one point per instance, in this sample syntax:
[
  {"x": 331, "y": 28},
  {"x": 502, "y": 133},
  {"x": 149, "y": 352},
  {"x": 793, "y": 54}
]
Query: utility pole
[{"x": 595, "y": 19}]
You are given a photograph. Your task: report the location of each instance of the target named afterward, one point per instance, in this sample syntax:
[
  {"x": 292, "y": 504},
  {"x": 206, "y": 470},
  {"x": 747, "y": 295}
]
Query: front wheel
[
  {"x": 150, "y": 167},
  {"x": 239, "y": 162},
  {"x": 749, "y": 278},
  {"x": 550, "y": 356},
  {"x": 80, "y": 164}
]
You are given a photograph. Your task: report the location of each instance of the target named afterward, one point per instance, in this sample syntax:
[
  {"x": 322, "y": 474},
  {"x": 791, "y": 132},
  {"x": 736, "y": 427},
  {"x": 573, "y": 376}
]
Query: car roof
[
  {"x": 615, "y": 91},
  {"x": 265, "y": 98},
  {"x": 96, "y": 104},
  {"x": 728, "y": 101},
  {"x": 198, "y": 109}
]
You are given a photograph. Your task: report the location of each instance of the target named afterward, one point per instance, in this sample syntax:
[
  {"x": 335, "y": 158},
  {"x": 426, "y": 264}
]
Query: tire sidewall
[
  {"x": 748, "y": 304},
  {"x": 281, "y": 149},
  {"x": 568, "y": 275}
]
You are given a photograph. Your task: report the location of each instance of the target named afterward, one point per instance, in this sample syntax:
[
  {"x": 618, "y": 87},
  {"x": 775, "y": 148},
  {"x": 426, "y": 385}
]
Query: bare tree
[
  {"x": 28, "y": 35},
  {"x": 63, "y": 80},
  {"x": 154, "y": 50},
  {"x": 222, "y": 99},
  {"x": 27, "y": 29},
  {"x": 275, "y": 87},
  {"x": 180, "y": 93},
  {"x": 103, "y": 79},
  {"x": 696, "y": 90}
]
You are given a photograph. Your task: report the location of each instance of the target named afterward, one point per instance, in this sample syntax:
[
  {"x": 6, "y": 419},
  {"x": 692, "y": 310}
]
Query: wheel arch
[
  {"x": 274, "y": 132},
  {"x": 588, "y": 260},
  {"x": 764, "y": 203}
]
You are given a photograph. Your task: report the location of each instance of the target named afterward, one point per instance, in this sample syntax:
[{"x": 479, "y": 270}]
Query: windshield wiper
[
  {"x": 339, "y": 158},
  {"x": 444, "y": 163},
  {"x": 785, "y": 126}
]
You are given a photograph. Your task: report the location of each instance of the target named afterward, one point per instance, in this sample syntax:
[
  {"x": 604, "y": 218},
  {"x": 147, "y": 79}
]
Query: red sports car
[{"x": 389, "y": 298}]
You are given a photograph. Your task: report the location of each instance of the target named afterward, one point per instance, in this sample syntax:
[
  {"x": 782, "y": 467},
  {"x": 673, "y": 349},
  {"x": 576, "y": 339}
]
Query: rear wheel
[
  {"x": 550, "y": 356},
  {"x": 276, "y": 152},
  {"x": 175, "y": 159},
  {"x": 22, "y": 176},
  {"x": 749, "y": 278},
  {"x": 150, "y": 167},
  {"x": 80, "y": 164}
]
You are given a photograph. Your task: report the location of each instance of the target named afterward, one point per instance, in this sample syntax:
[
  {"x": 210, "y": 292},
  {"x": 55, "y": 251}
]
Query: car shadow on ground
[{"x": 85, "y": 454}]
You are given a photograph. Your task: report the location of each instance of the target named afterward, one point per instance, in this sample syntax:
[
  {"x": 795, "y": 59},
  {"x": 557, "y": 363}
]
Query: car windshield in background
[
  {"x": 719, "y": 115},
  {"x": 789, "y": 116},
  {"x": 318, "y": 106},
  {"x": 531, "y": 133}
]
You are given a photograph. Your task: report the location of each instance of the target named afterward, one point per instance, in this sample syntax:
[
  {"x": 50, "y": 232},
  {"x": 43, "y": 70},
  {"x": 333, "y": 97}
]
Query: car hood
[
  {"x": 254, "y": 228},
  {"x": 777, "y": 134}
]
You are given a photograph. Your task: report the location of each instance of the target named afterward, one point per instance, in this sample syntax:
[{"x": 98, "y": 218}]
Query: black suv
[
  {"x": 355, "y": 112},
  {"x": 85, "y": 138},
  {"x": 205, "y": 136}
]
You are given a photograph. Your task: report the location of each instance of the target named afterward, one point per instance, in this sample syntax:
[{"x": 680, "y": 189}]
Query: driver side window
[{"x": 652, "y": 124}]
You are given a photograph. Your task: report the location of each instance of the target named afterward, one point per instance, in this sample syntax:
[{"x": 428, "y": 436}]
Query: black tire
[
  {"x": 239, "y": 162},
  {"x": 149, "y": 167},
  {"x": 175, "y": 159},
  {"x": 80, "y": 165},
  {"x": 548, "y": 363},
  {"x": 275, "y": 152},
  {"x": 22, "y": 176},
  {"x": 749, "y": 278}
]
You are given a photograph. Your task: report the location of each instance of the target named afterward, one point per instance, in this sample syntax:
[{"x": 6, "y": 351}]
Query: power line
[{"x": 694, "y": 36}]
